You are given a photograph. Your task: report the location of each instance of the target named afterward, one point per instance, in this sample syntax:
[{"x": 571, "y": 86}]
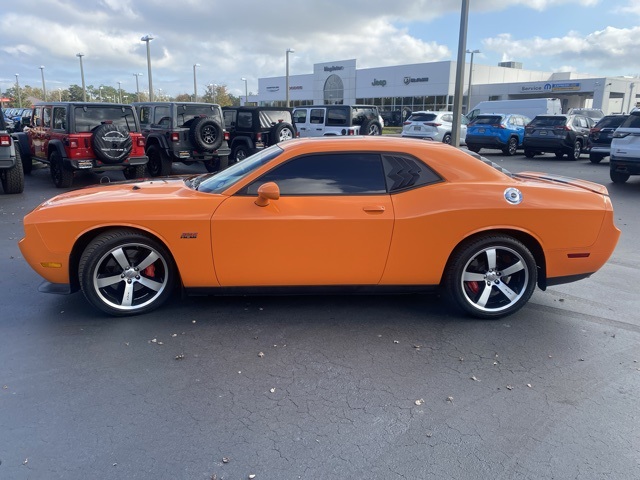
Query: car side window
[
  {"x": 59, "y": 118},
  {"x": 447, "y": 118},
  {"x": 161, "y": 113},
  {"x": 229, "y": 118},
  {"x": 338, "y": 117},
  {"x": 326, "y": 174},
  {"x": 46, "y": 117},
  {"x": 317, "y": 116},
  {"x": 403, "y": 173},
  {"x": 300, "y": 116},
  {"x": 145, "y": 116},
  {"x": 244, "y": 119}
]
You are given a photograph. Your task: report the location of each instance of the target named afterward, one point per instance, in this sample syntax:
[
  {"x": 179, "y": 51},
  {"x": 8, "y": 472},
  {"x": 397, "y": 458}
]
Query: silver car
[{"x": 433, "y": 126}]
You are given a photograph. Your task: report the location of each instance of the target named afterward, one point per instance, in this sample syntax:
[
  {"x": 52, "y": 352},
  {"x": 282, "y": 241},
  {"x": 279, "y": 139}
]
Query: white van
[{"x": 529, "y": 107}]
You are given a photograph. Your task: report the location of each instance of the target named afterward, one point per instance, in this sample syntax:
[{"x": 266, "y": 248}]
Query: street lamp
[
  {"x": 214, "y": 93},
  {"x": 289, "y": 50},
  {"x": 60, "y": 93},
  {"x": 18, "y": 88},
  {"x": 148, "y": 38},
  {"x": 44, "y": 88},
  {"x": 137, "y": 85},
  {"x": 100, "y": 92},
  {"x": 119, "y": 92},
  {"x": 195, "y": 83},
  {"x": 470, "y": 74},
  {"x": 459, "y": 86},
  {"x": 246, "y": 92},
  {"x": 84, "y": 90}
]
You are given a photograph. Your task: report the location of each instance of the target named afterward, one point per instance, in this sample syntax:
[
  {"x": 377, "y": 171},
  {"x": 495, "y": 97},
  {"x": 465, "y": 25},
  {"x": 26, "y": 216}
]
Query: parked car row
[{"x": 16, "y": 119}]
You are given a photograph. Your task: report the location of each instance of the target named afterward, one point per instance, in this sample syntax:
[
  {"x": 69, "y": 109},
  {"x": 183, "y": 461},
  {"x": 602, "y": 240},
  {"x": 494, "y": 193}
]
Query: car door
[
  {"x": 331, "y": 225},
  {"x": 314, "y": 122}
]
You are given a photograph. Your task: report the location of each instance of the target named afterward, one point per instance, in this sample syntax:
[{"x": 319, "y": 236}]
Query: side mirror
[{"x": 267, "y": 191}]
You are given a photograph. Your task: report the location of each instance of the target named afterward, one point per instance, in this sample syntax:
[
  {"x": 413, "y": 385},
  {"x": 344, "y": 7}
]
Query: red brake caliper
[{"x": 150, "y": 271}]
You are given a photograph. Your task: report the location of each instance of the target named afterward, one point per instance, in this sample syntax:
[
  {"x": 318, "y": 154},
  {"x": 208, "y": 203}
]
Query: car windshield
[
  {"x": 611, "y": 122},
  {"x": 219, "y": 182},
  {"x": 87, "y": 118},
  {"x": 422, "y": 117},
  {"x": 633, "y": 121},
  {"x": 186, "y": 113}
]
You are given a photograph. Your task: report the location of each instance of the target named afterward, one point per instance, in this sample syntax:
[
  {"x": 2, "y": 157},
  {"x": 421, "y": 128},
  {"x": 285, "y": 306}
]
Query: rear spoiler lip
[{"x": 574, "y": 182}]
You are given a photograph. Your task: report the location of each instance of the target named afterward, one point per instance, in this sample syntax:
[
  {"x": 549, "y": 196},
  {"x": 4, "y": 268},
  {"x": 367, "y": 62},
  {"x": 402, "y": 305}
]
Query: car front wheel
[
  {"x": 490, "y": 277},
  {"x": 124, "y": 272}
]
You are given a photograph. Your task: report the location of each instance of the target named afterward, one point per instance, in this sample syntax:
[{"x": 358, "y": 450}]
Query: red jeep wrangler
[{"x": 72, "y": 136}]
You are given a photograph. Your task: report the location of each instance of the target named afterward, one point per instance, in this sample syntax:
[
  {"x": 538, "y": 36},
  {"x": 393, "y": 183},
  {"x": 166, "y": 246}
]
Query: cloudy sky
[{"x": 248, "y": 38}]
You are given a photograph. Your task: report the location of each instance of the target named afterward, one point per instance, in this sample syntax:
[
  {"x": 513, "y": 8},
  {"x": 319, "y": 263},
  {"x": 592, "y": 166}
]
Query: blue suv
[{"x": 498, "y": 131}]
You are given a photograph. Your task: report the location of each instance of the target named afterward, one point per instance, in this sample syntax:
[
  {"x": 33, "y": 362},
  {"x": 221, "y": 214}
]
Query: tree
[
  {"x": 75, "y": 93},
  {"x": 220, "y": 95}
]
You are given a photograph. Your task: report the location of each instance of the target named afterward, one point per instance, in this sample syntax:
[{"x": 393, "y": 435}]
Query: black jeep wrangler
[
  {"x": 11, "y": 171},
  {"x": 253, "y": 128},
  {"x": 184, "y": 132}
]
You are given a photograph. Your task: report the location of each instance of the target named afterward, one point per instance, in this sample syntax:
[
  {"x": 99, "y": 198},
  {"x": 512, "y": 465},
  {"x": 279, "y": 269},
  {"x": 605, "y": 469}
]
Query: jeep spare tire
[
  {"x": 206, "y": 134},
  {"x": 111, "y": 143},
  {"x": 281, "y": 132}
]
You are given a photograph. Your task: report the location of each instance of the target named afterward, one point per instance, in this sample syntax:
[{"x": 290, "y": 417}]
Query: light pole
[
  {"x": 59, "y": 93},
  {"x": 148, "y": 38},
  {"x": 44, "y": 88},
  {"x": 246, "y": 92},
  {"x": 289, "y": 50},
  {"x": 459, "y": 86},
  {"x": 84, "y": 90},
  {"x": 214, "y": 93},
  {"x": 470, "y": 74},
  {"x": 18, "y": 88},
  {"x": 137, "y": 85},
  {"x": 100, "y": 92},
  {"x": 119, "y": 92},
  {"x": 195, "y": 83}
]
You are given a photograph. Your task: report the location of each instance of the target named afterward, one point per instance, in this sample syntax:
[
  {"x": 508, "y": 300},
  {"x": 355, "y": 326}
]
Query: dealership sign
[
  {"x": 376, "y": 82},
  {"x": 410, "y": 80},
  {"x": 562, "y": 87},
  {"x": 333, "y": 68},
  {"x": 273, "y": 89}
]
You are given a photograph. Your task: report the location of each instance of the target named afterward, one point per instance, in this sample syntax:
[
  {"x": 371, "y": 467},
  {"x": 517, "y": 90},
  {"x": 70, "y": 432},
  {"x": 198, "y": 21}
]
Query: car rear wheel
[
  {"x": 137, "y": 171},
  {"x": 595, "y": 157},
  {"x": 12, "y": 179},
  {"x": 473, "y": 148},
  {"x": 577, "y": 150},
  {"x": 61, "y": 176},
  {"x": 240, "y": 152},
  {"x": 512, "y": 147},
  {"x": 618, "y": 177},
  {"x": 559, "y": 154},
  {"x": 124, "y": 272},
  {"x": 490, "y": 276},
  {"x": 447, "y": 138},
  {"x": 159, "y": 165},
  {"x": 529, "y": 153}
]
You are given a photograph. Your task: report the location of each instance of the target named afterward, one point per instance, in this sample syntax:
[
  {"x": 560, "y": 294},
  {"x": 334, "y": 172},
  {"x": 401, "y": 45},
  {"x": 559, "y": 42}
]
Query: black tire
[
  {"x": 576, "y": 152},
  {"x": 618, "y": 177},
  {"x": 111, "y": 143},
  {"x": 159, "y": 164},
  {"x": 473, "y": 148},
  {"x": 281, "y": 132},
  {"x": 447, "y": 138},
  {"x": 26, "y": 161},
  {"x": 370, "y": 127},
  {"x": 595, "y": 157},
  {"x": 512, "y": 147},
  {"x": 61, "y": 175},
  {"x": 124, "y": 272},
  {"x": 12, "y": 179},
  {"x": 206, "y": 134},
  {"x": 213, "y": 165},
  {"x": 559, "y": 154},
  {"x": 137, "y": 171},
  {"x": 240, "y": 152},
  {"x": 529, "y": 153},
  {"x": 490, "y": 277}
]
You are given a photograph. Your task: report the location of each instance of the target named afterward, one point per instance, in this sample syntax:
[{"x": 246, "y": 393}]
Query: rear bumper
[
  {"x": 547, "y": 145},
  {"x": 625, "y": 165},
  {"x": 485, "y": 141}
]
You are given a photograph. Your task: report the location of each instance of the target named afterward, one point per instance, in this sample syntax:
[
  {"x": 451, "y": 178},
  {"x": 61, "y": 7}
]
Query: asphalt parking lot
[{"x": 380, "y": 387}]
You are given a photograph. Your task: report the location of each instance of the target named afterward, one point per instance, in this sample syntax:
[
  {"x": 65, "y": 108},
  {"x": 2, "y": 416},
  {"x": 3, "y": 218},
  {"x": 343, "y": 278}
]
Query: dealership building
[{"x": 431, "y": 86}]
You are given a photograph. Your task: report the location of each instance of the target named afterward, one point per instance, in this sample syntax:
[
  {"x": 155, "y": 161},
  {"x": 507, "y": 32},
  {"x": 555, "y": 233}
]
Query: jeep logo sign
[
  {"x": 381, "y": 83},
  {"x": 333, "y": 68}
]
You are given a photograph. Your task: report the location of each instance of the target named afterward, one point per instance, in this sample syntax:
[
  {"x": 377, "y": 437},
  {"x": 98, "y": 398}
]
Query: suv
[
  {"x": 434, "y": 126},
  {"x": 600, "y": 136},
  {"x": 496, "y": 130},
  {"x": 594, "y": 113},
  {"x": 184, "y": 132},
  {"x": 625, "y": 149},
  {"x": 322, "y": 120},
  {"x": 72, "y": 136},
  {"x": 559, "y": 134},
  {"x": 11, "y": 171},
  {"x": 253, "y": 128}
]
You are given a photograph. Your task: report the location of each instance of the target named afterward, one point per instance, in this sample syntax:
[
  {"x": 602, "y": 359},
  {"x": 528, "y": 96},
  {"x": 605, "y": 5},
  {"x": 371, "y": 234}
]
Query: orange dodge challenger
[{"x": 356, "y": 214}]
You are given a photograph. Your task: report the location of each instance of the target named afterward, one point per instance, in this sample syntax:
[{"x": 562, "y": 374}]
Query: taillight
[
  {"x": 500, "y": 125},
  {"x": 258, "y": 137},
  {"x": 618, "y": 134},
  {"x": 140, "y": 141},
  {"x": 5, "y": 140},
  {"x": 73, "y": 143},
  {"x": 561, "y": 127},
  {"x": 432, "y": 124},
  {"x": 226, "y": 136},
  {"x": 175, "y": 137},
  {"x": 594, "y": 130},
  {"x": 406, "y": 123}
]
